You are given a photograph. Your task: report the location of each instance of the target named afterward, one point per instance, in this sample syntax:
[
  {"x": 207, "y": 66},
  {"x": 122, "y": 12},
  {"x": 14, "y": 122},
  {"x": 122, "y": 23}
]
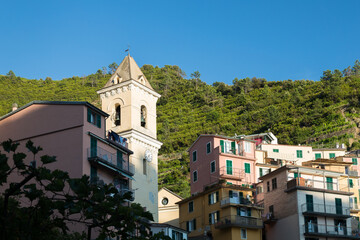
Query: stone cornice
[
  {"x": 130, "y": 85},
  {"x": 142, "y": 139}
]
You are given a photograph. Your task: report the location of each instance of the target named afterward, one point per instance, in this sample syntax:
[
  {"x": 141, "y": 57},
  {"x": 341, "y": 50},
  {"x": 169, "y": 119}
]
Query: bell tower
[{"x": 130, "y": 101}]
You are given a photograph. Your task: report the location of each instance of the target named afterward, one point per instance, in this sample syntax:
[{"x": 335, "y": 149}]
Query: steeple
[{"x": 128, "y": 70}]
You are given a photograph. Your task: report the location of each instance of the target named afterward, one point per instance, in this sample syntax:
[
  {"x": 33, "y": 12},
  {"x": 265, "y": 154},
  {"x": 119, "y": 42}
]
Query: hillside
[{"x": 318, "y": 113}]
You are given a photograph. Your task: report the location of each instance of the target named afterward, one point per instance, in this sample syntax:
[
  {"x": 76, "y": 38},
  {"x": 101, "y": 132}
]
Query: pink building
[
  {"x": 215, "y": 157},
  {"x": 75, "y": 133}
]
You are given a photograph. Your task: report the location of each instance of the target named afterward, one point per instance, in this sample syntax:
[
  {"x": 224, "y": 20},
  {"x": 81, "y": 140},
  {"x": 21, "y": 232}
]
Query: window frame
[
  {"x": 228, "y": 167},
  {"x": 274, "y": 183},
  {"x": 299, "y": 153},
  {"x": 213, "y": 198},
  {"x": 191, "y": 209},
  {"x": 249, "y": 168},
  {"x": 208, "y": 148},
  {"x": 243, "y": 230},
  {"x": 197, "y": 177},
  {"x": 211, "y": 170},
  {"x": 332, "y": 155},
  {"x": 194, "y": 152},
  {"x": 354, "y": 161},
  {"x": 317, "y": 155},
  {"x": 93, "y": 118}
]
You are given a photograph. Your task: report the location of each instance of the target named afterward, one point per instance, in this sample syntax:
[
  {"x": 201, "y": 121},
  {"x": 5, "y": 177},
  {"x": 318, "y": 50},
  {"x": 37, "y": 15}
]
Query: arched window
[
  {"x": 117, "y": 115},
  {"x": 143, "y": 116}
]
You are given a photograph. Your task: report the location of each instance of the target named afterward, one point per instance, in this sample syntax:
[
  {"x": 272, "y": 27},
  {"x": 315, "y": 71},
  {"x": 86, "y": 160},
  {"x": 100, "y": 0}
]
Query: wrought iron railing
[
  {"x": 232, "y": 172},
  {"x": 235, "y": 220},
  {"x": 321, "y": 208},
  {"x": 329, "y": 230}
]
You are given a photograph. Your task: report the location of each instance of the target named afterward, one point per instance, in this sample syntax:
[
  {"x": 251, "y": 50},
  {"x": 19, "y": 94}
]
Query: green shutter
[
  {"x": 98, "y": 120},
  {"x": 228, "y": 167},
  {"x": 299, "y": 154},
  {"x": 276, "y": 150},
  {"x": 351, "y": 184},
  {"x": 93, "y": 174},
  {"x": 338, "y": 205},
  {"x": 248, "y": 212},
  {"x": 331, "y": 155},
  {"x": 261, "y": 172},
  {"x": 230, "y": 193},
  {"x": 309, "y": 203},
  {"x": 88, "y": 115},
  {"x": 194, "y": 156},
  {"x": 355, "y": 200},
  {"x": 354, "y": 160},
  {"x": 317, "y": 155},
  {"x": 233, "y": 148},
  {"x": 194, "y": 222},
  {"x": 217, "y": 216},
  {"x": 247, "y": 167},
  {"x": 93, "y": 147},
  {"x": 210, "y": 218},
  {"x": 222, "y": 145},
  {"x": 217, "y": 196},
  {"x": 329, "y": 183},
  {"x": 296, "y": 175},
  {"x": 209, "y": 198}
]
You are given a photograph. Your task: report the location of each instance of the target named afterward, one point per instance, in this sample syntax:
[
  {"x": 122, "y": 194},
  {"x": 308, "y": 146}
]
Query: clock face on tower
[{"x": 148, "y": 155}]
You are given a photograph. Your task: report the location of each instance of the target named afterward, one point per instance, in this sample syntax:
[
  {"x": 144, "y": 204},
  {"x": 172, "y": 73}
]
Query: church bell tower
[{"x": 130, "y": 101}]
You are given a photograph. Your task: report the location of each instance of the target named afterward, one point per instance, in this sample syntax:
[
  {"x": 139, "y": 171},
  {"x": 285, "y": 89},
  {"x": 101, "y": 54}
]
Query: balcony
[
  {"x": 238, "y": 201},
  {"x": 110, "y": 160},
  {"x": 239, "y": 221},
  {"x": 232, "y": 173},
  {"x": 309, "y": 184},
  {"x": 355, "y": 208},
  {"x": 314, "y": 209},
  {"x": 329, "y": 231},
  {"x": 353, "y": 173}
]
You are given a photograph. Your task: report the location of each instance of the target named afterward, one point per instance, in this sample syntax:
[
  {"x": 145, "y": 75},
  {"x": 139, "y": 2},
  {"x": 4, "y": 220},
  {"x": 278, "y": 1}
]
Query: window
[
  {"x": 144, "y": 166},
  {"x": 243, "y": 211},
  {"x": 247, "y": 147},
  {"x": 317, "y": 155},
  {"x": 93, "y": 118},
  {"x": 268, "y": 186},
  {"x": 194, "y": 156},
  {"x": 274, "y": 183},
  {"x": 93, "y": 174},
  {"x": 227, "y": 147},
  {"x": 143, "y": 116},
  {"x": 191, "y": 225},
  {"x": 261, "y": 172},
  {"x": 354, "y": 161},
  {"x": 93, "y": 147},
  {"x": 208, "y": 148},
  {"x": 191, "y": 206},
  {"x": 117, "y": 115},
  {"x": 247, "y": 167},
  {"x": 351, "y": 184},
  {"x": 275, "y": 150},
  {"x": 231, "y": 194},
  {"x": 243, "y": 233},
  {"x": 212, "y": 167},
  {"x": 214, "y": 217},
  {"x": 213, "y": 198},
  {"x": 175, "y": 235},
  {"x": 165, "y": 201},
  {"x": 338, "y": 205},
  {"x": 195, "y": 176},
  {"x": 329, "y": 183},
  {"x": 299, "y": 154},
  {"x": 309, "y": 203},
  {"x": 119, "y": 159},
  {"x": 271, "y": 210},
  {"x": 331, "y": 155},
  {"x": 229, "y": 170}
]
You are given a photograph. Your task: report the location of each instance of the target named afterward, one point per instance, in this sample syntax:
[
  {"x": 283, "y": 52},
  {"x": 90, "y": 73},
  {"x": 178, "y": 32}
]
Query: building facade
[
  {"x": 215, "y": 157},
  {"x": 222, "y": 212},
  {"x": 130, "y": 101},
  {"x": 168, "y": 209},
  {"x": 303, "y": 203}
]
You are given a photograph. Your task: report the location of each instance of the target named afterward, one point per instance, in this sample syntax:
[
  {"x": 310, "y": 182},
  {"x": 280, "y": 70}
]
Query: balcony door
[
  {"x": 338, "y": 206},
  {"x": 311, "y": 225},
  {"x": 93, "y": 147},
  {"x": 309, "y": 203}
]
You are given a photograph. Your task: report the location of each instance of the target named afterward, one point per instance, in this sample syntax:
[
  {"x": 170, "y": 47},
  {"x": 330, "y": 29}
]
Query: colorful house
[
  {"x": 168, "y": 209},
  {"x": 216, "y": 157}
]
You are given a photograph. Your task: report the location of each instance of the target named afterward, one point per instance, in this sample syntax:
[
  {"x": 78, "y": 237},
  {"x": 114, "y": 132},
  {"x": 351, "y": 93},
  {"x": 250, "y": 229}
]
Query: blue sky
[{"x": 276, "y": 40}]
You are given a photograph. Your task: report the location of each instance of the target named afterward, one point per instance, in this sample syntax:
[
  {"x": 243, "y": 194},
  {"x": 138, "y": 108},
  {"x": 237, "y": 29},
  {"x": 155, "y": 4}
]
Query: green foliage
[{"x": 43, "y": 203}]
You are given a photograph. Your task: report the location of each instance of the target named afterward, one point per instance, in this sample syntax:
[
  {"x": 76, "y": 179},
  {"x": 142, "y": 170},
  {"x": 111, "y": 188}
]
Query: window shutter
[
  {"x": 217, "y": 196},
  {"x": 187, "y": 226},
  {"x": 93, "y": 147},
  {"x": 88, "y": 115},
  {"x": 209, "y": 196},
  {"x": 249, "y": 212},
  {"x": 194, "y": 222},
  {"x": 119, "y": 159},
  {"x": 261, "y": 172},
  {"x": 98, "y": 120},
  {"x": 210, "y": 222},
  {"x": 217, "y": 216},
  {"x": 230, "y": 193},
  {"x": 233, "y": 148},
  {"x": 222, "y": 145}
]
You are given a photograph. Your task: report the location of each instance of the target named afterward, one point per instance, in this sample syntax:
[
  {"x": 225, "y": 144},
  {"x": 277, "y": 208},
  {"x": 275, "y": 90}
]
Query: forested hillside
[{"x": 318, "y": 113}]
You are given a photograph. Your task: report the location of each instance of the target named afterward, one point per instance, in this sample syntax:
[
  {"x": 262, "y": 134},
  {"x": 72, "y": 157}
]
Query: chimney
[{"x": 14, "y": 107}]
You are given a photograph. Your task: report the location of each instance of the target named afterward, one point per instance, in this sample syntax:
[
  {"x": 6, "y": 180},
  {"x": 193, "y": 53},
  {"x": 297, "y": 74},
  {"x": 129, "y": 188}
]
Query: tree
[
  {"x": 48, "y": 80},
  {"x": 113, "y": 67},
  {"x": 44, "y": 201},
  {"x": 11, "y": 74},
  {"x": 196, "y": 77}
]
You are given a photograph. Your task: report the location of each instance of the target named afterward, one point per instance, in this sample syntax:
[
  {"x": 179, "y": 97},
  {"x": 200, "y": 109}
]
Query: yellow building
[
  {"x": 222, "y": 212},
  {"x": 168, "y": 209}
]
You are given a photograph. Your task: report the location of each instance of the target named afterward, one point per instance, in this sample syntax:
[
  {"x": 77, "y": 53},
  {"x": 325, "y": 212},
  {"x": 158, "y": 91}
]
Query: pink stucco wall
[{"x": 204, "y": 159}]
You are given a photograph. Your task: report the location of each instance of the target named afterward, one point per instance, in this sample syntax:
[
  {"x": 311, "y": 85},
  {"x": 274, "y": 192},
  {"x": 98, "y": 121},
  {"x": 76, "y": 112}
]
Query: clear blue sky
[{"x": 275, "y": 40}]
